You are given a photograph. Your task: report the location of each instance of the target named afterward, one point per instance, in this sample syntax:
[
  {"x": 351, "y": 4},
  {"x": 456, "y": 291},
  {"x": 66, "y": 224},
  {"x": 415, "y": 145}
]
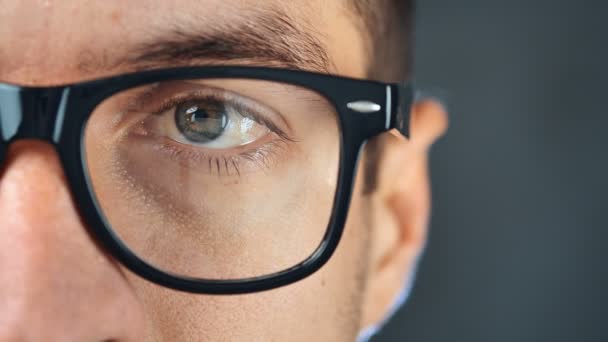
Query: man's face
[{"x": 59, "y": 284}]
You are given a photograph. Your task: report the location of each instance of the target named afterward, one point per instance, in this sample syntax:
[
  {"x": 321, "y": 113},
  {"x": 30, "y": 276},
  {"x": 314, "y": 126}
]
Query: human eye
[
  {"x": 207, "y": 125},
  {"x": 211, "y": 122}
]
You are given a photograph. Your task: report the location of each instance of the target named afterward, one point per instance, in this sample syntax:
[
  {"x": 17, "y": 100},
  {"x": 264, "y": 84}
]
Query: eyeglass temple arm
[{"x": 399, "y": 109}]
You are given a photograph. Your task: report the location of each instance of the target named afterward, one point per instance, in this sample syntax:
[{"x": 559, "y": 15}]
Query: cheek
[{"x": 323, "y": 307}]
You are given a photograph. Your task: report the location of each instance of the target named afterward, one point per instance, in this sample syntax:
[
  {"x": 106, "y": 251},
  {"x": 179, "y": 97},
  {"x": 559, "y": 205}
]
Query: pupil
[{"x": 201, "y": 121}]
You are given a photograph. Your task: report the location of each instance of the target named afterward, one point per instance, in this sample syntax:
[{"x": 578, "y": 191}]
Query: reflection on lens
[{"x": 215, "y": 179}]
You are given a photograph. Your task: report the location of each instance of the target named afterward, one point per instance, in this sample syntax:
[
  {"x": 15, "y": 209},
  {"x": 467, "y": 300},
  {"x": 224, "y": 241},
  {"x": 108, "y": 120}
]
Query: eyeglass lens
[{"x": 215, "y": 178}]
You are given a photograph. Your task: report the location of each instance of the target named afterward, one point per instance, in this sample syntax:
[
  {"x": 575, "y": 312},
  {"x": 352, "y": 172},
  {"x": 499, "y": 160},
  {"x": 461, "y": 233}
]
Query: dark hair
[{"x": 388, "y": 25}]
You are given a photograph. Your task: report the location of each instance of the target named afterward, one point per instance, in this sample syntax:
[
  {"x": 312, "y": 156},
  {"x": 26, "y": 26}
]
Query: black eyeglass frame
[{"x": 59, "y": 115}]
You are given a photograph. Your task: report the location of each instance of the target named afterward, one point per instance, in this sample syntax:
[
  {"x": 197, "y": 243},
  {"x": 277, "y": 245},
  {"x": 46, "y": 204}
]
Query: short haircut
[{"x": 388, "y": 27}]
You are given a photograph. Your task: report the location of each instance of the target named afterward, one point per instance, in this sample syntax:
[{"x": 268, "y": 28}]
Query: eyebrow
[{"x": 270, "y": 38}]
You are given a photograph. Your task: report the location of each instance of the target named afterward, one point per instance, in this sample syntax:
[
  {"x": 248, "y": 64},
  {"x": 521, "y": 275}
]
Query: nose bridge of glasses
[{"x": 31, "y": 113}]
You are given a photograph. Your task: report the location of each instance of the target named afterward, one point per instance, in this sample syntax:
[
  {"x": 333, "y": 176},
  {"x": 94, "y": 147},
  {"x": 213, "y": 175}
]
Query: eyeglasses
[{"x": 215, "y": 180}]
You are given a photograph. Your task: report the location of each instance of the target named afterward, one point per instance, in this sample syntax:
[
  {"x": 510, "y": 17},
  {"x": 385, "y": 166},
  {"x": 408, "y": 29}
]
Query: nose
[{"x": 56, "y": 283}]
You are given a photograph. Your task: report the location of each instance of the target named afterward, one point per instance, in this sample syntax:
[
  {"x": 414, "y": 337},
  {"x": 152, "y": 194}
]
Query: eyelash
[{"x": 223, "y": 164}]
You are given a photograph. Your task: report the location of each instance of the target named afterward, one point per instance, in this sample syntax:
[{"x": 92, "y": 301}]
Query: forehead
[{"x": 57, "y": 41}]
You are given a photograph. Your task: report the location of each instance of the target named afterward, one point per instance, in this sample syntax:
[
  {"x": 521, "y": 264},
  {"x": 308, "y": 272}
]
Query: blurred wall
[{"x": 518, "y": 249}]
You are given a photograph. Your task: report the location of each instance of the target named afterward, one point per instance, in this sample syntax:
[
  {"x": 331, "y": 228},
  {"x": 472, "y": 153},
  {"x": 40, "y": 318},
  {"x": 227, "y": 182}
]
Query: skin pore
[{"x": 60, "y": 285}]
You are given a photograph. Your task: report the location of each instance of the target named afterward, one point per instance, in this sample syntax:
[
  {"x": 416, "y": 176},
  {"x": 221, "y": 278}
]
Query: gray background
[{"x": 517, "y": 247}]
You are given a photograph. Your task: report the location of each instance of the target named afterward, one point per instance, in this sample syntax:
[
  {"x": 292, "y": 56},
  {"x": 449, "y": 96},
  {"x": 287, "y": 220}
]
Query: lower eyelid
[{"x": 267, "y": 153}]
